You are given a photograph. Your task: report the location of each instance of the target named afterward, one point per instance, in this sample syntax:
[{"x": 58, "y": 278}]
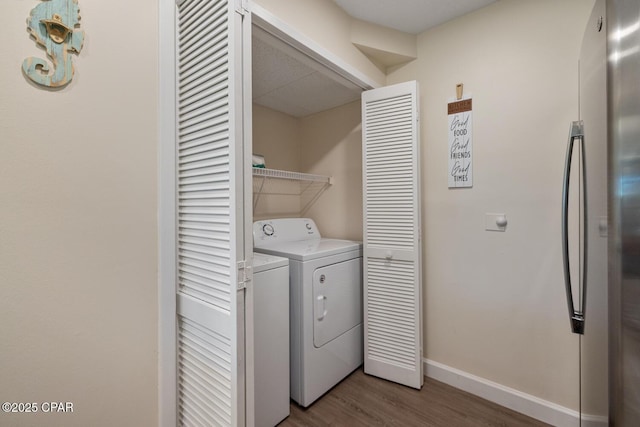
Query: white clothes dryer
[{"x": 325, "y": 302}]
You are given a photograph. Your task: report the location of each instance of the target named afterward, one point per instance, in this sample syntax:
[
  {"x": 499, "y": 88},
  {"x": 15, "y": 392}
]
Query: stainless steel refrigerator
[
  {"x": 601, "y": 217},
  {"x": 584, "y": 223},
  {"x": 623, "y": 35}
]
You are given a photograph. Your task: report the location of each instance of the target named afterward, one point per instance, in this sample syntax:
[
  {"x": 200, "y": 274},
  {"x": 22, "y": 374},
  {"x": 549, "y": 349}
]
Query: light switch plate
[{"x": 491, "y": 221}]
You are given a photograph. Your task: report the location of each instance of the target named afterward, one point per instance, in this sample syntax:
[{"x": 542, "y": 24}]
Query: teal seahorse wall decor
[{"x": 54, "y": 25}]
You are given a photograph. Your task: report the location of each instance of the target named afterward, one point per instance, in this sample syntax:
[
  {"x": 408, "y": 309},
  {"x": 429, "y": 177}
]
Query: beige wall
[
  {"x": 332, "y": 145},
  {"x": 276, "y": 136},
  {"x": 326, "y": 143},
  {"x": 384, "y": 46},
  {"x": 494, "y": 302},
  {"x": 78, "y": 269}
]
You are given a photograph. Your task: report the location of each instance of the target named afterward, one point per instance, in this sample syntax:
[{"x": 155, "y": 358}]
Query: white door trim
[{"x": 166, "y": 214}]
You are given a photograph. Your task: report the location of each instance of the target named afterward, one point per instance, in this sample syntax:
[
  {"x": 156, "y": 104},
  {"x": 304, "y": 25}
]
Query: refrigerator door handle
[{"x": 576, "y": 317}]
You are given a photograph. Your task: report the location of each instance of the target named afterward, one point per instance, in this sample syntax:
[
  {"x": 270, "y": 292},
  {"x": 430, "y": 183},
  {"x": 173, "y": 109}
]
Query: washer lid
[
  {"x": 264, "y": 262},
  {"x": 305, "y": 250}
]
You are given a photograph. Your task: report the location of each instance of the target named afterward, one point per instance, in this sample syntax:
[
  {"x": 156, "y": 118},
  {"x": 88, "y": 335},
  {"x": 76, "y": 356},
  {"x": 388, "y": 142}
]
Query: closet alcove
[{"x": 307, "y": 125}]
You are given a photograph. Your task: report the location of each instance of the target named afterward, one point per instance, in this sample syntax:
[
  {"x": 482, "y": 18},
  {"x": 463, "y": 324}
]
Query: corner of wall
[{"x": 385, "y": 47}]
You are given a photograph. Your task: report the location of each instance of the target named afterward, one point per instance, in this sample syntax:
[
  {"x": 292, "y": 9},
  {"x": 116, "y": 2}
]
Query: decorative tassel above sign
[{"x": 54, "y": 26}]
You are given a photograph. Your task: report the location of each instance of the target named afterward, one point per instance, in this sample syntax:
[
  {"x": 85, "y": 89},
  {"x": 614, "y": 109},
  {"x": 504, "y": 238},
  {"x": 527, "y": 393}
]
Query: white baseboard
[{"x": 518, "y": 401}]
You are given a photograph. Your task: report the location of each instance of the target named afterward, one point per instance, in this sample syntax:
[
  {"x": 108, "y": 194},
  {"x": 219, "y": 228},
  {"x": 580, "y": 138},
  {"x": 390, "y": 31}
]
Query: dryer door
[{"x": 337, "y": 300}]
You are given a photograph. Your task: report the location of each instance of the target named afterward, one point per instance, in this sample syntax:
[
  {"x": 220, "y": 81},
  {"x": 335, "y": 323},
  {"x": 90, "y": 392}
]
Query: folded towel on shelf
[{"x": 258, "y": 161}]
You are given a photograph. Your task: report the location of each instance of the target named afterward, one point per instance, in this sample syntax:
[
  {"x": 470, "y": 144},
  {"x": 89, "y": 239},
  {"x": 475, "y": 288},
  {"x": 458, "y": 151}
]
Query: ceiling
[
  {"x": 410, "y": 16},
  {"x": 288, "y": 81}
]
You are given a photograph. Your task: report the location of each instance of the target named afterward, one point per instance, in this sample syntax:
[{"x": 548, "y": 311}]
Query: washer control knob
[
  {"x": 308, "y": 226},
  {"x": 268, "y": 230}
]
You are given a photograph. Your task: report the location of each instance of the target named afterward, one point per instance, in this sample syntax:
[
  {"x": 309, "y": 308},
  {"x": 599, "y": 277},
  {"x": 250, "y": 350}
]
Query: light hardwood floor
[{"x": 362, "y": 400}]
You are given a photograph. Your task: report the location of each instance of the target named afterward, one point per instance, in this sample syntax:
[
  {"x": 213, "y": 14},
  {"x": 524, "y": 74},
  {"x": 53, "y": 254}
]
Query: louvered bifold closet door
[
  {"x": 391, "y": 264},
  {"x": 210, "y": 217}
]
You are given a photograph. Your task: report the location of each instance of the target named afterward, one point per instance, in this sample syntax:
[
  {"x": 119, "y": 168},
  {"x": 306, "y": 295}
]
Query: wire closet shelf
[{"x": 307, "y": 186}]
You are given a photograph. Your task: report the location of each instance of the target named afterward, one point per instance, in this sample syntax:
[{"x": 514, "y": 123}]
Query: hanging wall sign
[
  {"x": 53, "y": 24},
  {"x": 460, "y": 143}
]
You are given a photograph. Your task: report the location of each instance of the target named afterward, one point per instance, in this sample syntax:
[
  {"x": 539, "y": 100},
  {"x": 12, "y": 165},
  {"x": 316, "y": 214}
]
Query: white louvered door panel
[
  {"x": 210, "y": 213},
  {"x": 392, "y": 260}
]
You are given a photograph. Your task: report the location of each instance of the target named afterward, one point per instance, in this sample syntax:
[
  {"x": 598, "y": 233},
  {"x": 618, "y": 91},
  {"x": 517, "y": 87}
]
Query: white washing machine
[
  {"x": 325, "y": 291},
  {"x": 271, "y": 339}
]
